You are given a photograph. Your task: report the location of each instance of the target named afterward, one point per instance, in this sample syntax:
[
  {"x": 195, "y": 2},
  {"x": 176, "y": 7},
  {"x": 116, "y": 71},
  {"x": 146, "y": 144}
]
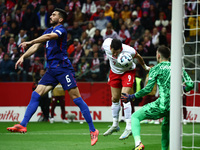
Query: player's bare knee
[
  {"x": 40, "y": 92},
  {"x": 42, "y": 89},
  {"x": 115, "y": 100},
  {"x": 74, "y": 93},
  {"x": 74, "y": 96}
]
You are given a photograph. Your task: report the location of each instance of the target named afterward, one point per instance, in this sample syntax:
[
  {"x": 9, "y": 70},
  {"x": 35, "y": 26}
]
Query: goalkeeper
[{"x": 159, "y": 74}]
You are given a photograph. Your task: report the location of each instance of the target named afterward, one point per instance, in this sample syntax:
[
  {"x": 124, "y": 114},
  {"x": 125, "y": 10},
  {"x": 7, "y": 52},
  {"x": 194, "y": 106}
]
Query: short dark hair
[
  {"x": 62, "y": 13},
  {"x": 116, "y": 44},
  {"x": 164, "y": 51}
]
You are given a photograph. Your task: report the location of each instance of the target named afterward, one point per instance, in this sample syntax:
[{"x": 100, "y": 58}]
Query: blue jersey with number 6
[{"x": 60, "y": 69}]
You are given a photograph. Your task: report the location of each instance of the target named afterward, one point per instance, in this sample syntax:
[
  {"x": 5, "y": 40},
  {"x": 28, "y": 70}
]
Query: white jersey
[{"x": 115, "y": 67}]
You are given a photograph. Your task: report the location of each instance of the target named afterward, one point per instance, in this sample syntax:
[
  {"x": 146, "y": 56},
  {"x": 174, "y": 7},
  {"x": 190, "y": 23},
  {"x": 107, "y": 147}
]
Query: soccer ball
[
  {"x": 125, "y": 60},
  {"x": 71, "y": 116}
]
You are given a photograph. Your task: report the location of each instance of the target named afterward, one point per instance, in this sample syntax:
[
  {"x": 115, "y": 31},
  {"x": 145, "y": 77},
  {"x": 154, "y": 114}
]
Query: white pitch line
[{"x": 53, "y": 133}]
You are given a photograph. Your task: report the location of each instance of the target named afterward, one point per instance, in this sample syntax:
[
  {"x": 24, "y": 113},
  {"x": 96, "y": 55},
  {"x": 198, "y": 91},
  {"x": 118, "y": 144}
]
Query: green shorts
[{"x": 152, "y": 111}]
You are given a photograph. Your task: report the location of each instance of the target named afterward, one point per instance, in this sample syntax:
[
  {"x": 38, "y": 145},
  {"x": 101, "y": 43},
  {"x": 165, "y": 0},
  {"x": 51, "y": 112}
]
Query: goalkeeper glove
[{"x": 127, "y": 97}]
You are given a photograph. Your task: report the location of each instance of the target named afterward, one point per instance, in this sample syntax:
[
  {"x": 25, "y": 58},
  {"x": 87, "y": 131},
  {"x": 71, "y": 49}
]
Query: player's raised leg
[
  {"x": 135, "y": 126},
  {"x": 31, "y": 108},
  {"x": 148, "y": 111},
  {"x": 116, "y": 93}
]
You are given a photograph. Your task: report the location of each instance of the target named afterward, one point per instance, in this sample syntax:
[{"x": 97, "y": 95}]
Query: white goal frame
[{"x": 176, "y": 72}]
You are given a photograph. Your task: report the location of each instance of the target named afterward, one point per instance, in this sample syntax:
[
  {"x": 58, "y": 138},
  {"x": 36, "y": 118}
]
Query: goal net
[
  {"x": 191, "y": 63},
  {"x": 185, "y": 129}
]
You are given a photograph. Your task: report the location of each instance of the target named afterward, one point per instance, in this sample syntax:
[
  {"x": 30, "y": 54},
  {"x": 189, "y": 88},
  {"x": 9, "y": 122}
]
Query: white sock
[
  {"x": 115, "y": 113},
  {"x": 128, "y": 124},
  {"x": 137, "y": 140},
  {"x": 127, "y": 114},
  {"x": 127, "y": 110},
  {"x": 115, "y": 122}
]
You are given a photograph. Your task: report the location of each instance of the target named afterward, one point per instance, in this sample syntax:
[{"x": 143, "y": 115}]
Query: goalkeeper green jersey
[{"x": 160, "y": 74}]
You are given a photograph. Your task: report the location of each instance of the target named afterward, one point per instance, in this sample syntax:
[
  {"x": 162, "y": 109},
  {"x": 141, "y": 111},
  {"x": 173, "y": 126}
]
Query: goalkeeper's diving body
[{"x": 159, "y": 74}]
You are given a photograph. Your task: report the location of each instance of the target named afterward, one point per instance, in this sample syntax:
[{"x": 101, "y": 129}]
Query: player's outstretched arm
[
  {"x": 28, "y": 53},
  {"x": 41, "y": 39},
  {"x": 35, "y": 45},
  {"x": 19, "y": 62},
  {"x": 45, "y": 38},
  {"x": 149, "y": 87},
  {"x": 141, "y": 61}
]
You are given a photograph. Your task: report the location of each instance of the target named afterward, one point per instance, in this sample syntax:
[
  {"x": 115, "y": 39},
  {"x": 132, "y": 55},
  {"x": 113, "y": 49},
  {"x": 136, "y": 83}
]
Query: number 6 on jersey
[{"x": 68, "y": 79}]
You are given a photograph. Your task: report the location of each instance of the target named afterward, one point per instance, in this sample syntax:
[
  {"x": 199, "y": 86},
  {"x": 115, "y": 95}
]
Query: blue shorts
[{"x": 64, "y": 76}]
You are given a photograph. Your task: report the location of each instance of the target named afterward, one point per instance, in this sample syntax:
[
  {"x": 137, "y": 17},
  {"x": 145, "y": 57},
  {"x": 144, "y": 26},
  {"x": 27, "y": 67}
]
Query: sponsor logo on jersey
[{"x": 69, "y": 84}]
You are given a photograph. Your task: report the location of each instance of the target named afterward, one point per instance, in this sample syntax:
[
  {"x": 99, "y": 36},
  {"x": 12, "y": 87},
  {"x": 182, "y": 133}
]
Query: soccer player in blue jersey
[{"x": 59, "y": 70}]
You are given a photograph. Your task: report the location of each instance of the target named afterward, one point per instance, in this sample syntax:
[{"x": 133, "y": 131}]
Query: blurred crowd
[{"x": 142, "y": 24}]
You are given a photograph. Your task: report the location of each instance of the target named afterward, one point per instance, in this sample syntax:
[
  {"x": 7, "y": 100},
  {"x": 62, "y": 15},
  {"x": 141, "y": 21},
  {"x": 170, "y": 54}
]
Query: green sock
[{"x": 135, "y": 125}]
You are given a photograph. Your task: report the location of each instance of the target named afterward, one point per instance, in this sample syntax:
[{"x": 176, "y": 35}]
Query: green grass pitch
[{"x": 75, "y": 136}]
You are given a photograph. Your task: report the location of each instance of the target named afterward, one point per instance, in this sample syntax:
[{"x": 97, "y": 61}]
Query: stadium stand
[{"x": 14, "y": 16}]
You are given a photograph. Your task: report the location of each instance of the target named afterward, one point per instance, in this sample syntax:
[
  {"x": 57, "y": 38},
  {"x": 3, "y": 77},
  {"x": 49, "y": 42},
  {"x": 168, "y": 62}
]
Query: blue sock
[
  {"x": 85, "y": 112},
  {"x": 31, "y": 108}
]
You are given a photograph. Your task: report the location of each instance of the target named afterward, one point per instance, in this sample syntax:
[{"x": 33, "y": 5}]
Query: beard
[{"x": 53, "y": 23}]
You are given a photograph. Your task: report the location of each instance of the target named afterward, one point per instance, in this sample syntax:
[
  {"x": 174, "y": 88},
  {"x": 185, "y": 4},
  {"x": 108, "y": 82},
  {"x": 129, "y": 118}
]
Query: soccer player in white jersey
[{"x": 121, "y": 81}]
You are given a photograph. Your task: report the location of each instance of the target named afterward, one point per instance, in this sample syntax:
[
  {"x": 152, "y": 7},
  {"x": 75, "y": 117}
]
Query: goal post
[{"x": 176, "y": 72}]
